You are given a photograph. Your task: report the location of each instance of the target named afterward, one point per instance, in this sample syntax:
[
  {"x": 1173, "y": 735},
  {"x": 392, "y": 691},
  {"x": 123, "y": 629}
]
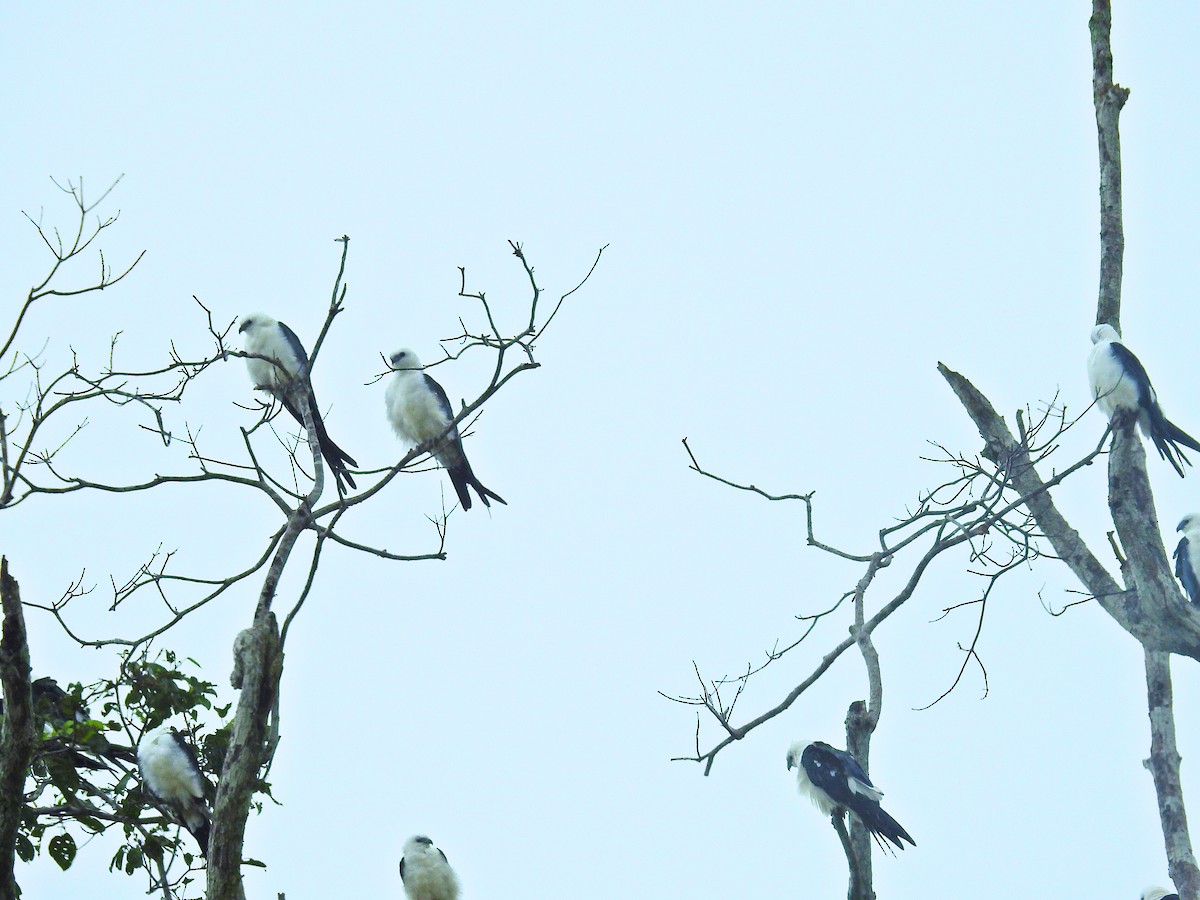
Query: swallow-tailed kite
[
  {"x": 1187, "y": 556},
  {"x": 65, "y": 729},
  {"x": 1157, "y": 893},
  {"x": 833, "y": 779},
  {"x": 426, "y": 872},
  {"x": 52, "y": 704},
  {"x": 1119, "y": 381},
  {"x": 273, "y": 339},
  {"x": 419, "y": 411},
  {"x": 172, "y": 774}
]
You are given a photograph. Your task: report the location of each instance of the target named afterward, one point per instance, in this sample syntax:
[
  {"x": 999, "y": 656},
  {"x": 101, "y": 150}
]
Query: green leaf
[
  {"x": 62, "y": 850},
  {"x": 25, "y": 848},
  {"x": 133, "y": 860},
  {"x": 93, "y": 825},
  {"x": 154, "y": 848},
  {"x": 254, "y": 862}
]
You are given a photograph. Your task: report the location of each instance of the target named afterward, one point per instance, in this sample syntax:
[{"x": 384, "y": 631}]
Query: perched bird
[
  {"x": 1157, "y": 893},
  {"x": 172, "y": 774},
  {"x": 1119, "y": 381},
  {"x": 426, "y": 872},
  {"x": 52, "y": 704},
  {"x": 1187, "y": 556},
  {"x": 65, "y": 728},
  {"x": 419, "y": 412},
  {"x": 833, "y": 779},
  {"x": 273, "y": 339}
]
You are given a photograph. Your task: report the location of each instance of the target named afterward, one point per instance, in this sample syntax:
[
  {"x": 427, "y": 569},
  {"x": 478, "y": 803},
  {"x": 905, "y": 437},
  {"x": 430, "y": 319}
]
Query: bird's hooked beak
[
  {"x": 245, "y": 324},
  {"x": 1182, "y": 523},
  {"x": 791, "y": 762}
]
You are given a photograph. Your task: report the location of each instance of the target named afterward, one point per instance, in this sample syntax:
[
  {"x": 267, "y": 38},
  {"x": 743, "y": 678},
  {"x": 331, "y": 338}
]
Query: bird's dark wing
[
  {"x": 294, "y": 343},
  {"x": 1167, "y": 436},
  {"x": 1184, "y": 571},
  {"x": 48, "y": 689},
  {"x": 443, "y": 400},
  {"x": 335, "y": 456},
  {"x": 451, "y": 455},
  {"x": 1133, "y": 368},
  {"x": 853, "y": 769},
  {"x": 189, "y": 751},
  {"x": 830, "y": 770}
]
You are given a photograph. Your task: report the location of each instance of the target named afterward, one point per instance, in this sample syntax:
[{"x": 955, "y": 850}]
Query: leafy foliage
[{"x": 84, "y": 777}]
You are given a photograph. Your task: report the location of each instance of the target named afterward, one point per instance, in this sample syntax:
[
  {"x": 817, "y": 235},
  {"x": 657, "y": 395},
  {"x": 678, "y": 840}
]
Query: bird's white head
[
  {"x": 156, "y": 735},
  {"x": 1105, "y": 332},
  {"x": 1188, "y": 522},
  {"x": 1155, "y": 893},
  {"x": 417, "y": 844},
  {"x": 404, "y": 359},
  {"x": 255, "y": 321},
  {"x": 795, "y": 752}
]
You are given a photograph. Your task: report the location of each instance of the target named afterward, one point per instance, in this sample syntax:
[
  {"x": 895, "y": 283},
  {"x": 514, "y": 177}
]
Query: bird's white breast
[
  {"x": 262, "y": 373},
  {"x": 820, "y": 799},
  {"x": 268, "y": 341},
  {"x": 1111, "y": 386},
  {"x": 427, "y": 877},
  {"x": 168, "y": 770},
  {"x": 413, "y": 409}
]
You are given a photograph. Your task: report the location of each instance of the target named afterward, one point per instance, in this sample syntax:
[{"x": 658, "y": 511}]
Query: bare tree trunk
[
  {"x": 261, "y": 665},
  {"x": 859, "y": 726},
  {"x": 861, "y": 719},
  {"x": 258, "y": 668},
  {"x": 1108, "y": 98},
  {"x": 16, "y": 737},
  {"x": 1164, "y": 768}
]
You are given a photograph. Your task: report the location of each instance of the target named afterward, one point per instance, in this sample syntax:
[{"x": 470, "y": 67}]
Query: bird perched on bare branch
[
  {"x": 1119, "y": 382},
  {"x": 1187, "y": 556},
  {"x": 172, "y": 773},
  {"x": 275, "y": 341},
  {"x": 419, "y": 411},
  {"x": 833, "y": 779}
]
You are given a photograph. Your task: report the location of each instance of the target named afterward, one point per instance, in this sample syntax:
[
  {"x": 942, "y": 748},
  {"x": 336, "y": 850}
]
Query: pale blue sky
[{"x": 807, "y": 206}]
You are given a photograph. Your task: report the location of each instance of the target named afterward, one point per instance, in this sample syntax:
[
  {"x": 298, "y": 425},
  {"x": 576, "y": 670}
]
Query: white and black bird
[
  {"x": 52, "y": 704},
  {"x": 267, "y": 337},
  {"x": 419, "y": 412},
  {"x": 1157, "y": 893},
  {"x": 1119, "y": 382},
  {"x": 1187, "y": 556},
  {"x": 65, "y": 728},
  {"x": 833, "y": 779},
  {"x": 172, "y": 773},
  {"x": 426, "y": 872}
]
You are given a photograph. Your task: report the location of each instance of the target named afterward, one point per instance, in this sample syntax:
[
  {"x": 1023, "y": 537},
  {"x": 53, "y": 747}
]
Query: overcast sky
[{"x": 807, "y": 206}]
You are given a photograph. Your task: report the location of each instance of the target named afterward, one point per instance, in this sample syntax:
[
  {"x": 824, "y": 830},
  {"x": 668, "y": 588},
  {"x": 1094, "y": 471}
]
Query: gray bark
[
  {"x": 16, "y": 736},
  {"x": 258, "y": 666},
  {"x": 1108, "y": 99},
  {"x": 1164, "y": 768},
  {"x": 1158, "y": 616}
]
